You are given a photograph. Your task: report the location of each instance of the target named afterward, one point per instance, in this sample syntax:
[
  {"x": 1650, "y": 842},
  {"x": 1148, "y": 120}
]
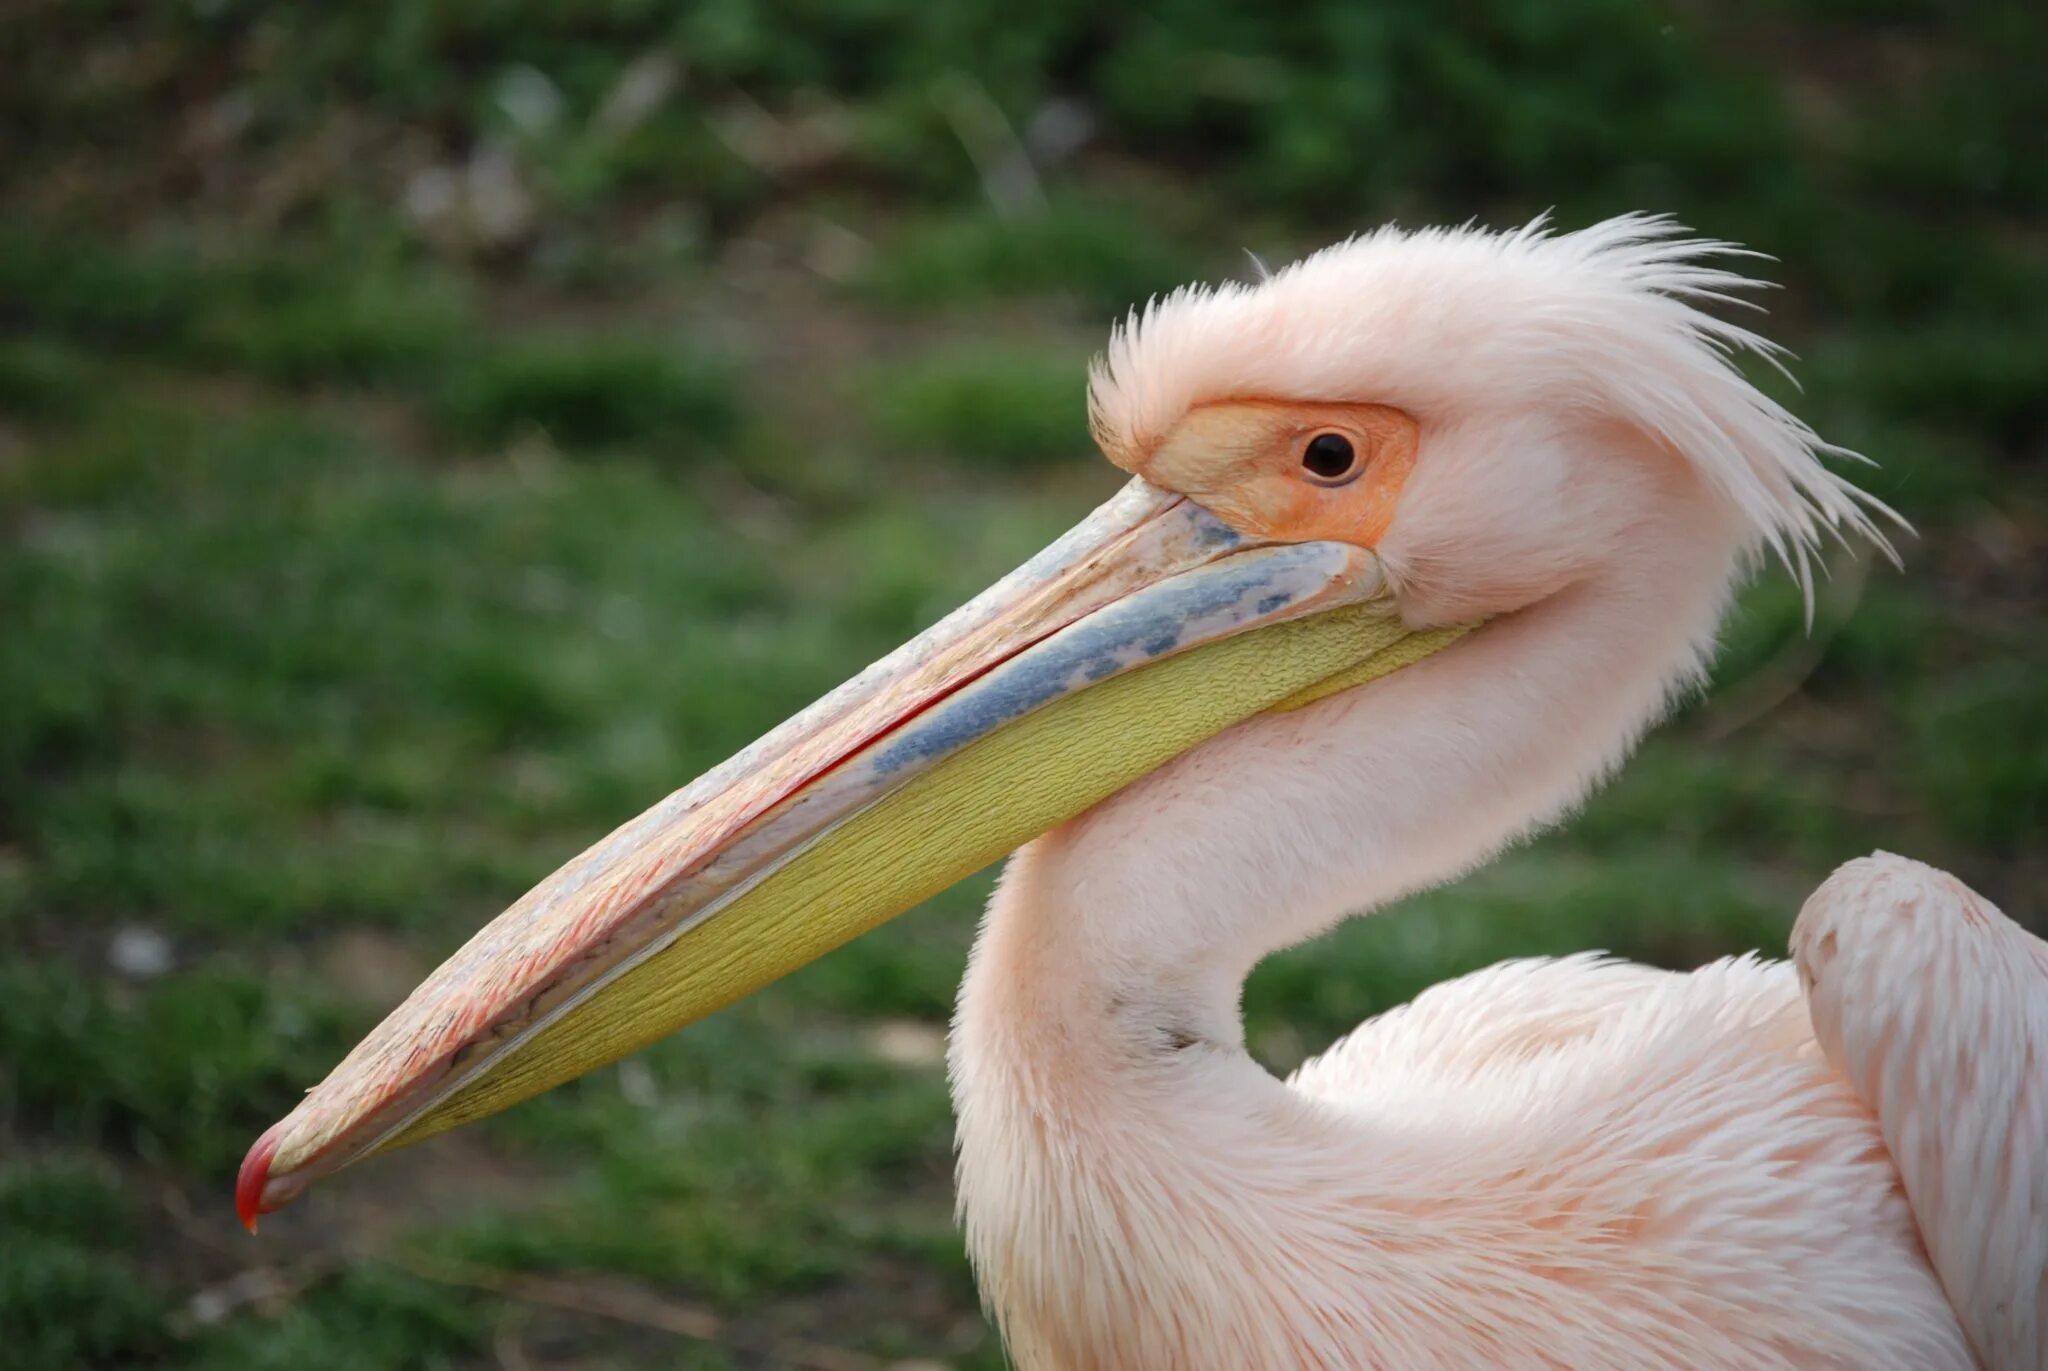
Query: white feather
[{"x": 1571, "y": 1164}]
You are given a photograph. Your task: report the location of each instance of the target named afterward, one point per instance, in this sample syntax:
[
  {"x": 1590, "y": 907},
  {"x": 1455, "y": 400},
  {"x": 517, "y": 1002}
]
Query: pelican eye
[{"x": 1330, "y": 459}]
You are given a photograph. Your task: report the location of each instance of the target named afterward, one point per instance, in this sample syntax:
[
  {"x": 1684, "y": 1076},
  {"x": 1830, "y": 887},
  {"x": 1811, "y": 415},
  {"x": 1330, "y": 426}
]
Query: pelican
[{"x": 1422, "y": 533}]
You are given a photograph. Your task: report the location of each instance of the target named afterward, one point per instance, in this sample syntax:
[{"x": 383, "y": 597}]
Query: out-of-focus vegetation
[{"x": 429, "y": 431}]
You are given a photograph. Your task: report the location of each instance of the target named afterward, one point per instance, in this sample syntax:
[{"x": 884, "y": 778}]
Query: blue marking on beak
[{"x": 1217, "y": 600}]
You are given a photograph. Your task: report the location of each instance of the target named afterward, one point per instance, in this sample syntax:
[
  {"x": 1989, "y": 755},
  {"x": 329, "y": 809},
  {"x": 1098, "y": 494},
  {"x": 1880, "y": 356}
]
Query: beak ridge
[{"x": 1149, "y": 577}]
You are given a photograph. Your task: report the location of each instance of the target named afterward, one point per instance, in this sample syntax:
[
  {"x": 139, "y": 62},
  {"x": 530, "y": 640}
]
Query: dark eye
[{"x": 1330, "y": 458}]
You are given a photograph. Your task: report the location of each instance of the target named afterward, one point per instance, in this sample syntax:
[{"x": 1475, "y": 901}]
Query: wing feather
[{"x": 1935, "y": 1006}]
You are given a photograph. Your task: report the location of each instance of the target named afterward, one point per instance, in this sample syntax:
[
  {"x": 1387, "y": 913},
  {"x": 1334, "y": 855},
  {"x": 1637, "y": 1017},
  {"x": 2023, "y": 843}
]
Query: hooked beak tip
[{"x": 254, "y": 1179}]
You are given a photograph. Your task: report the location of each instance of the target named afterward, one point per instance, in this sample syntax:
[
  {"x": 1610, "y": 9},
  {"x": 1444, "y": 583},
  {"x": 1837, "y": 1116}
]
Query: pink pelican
[{"x": 1423, "y": 532}]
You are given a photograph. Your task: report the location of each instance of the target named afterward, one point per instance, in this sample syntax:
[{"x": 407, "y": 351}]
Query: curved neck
[{"x": 1108, "y": 1112}]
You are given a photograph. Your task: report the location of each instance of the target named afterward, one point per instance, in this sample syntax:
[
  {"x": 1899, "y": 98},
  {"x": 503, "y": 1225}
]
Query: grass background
[{"x": 430, "y": 431}]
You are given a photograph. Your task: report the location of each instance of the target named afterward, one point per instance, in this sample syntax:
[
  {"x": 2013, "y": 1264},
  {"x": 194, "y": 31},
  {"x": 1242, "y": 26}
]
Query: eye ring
[{"x": 1330, "y": 458}]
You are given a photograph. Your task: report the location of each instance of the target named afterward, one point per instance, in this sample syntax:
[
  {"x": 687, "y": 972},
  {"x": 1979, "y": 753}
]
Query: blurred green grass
[
  {"x": 1012, "y": 409},
  {"x": 428, "y": 433}
]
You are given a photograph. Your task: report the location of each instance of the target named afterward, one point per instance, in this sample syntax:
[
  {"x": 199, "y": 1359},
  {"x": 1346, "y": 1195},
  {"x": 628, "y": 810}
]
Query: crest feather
[{"x": 1444, "y": 322}]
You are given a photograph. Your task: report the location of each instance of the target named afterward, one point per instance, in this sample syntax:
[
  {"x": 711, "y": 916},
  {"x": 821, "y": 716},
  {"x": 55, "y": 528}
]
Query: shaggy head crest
[{"x": 1456, "y": 324}]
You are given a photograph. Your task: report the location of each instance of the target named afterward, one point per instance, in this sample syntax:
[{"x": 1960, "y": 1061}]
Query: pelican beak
[{"x": 1148, "y": 628}]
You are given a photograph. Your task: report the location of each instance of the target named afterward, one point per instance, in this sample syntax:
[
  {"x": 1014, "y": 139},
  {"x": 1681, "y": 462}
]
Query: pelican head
[{"x": 1337, "y": 472}]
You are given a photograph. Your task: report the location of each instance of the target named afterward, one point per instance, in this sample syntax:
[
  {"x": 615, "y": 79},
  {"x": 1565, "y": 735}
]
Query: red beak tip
[{"x": 254, "y": 1176}]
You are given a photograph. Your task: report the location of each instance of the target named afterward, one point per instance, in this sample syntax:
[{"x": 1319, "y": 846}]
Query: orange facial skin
[{"x": 1243, "y": 460}]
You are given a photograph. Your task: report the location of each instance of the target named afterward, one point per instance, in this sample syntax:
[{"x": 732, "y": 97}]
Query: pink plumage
[
  {"x": 1936, "y": 1006},
  {"x": 1577, "y": 1163},
  {"x": 1574, "y": 1164}
]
